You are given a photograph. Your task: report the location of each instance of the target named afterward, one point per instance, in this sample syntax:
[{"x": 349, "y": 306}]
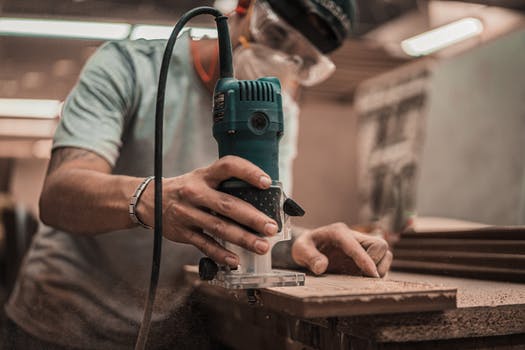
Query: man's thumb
[{"x": 305, "y": 253}]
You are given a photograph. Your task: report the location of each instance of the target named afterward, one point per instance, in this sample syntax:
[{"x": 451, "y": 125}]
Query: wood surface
[
  {"x": 484, "y": 233},
  {"x": 456, "y": 248},
  {"x": 472, "y": 293},
  {"x": 469, "y": 271},
  {"x": 338, "y": 295},
  {"x": 462, "y": 245},
  {"x": 429, "y": 223},
  {"x": 241, "y": 327},
  {"x": 490, "y": 315},
  {"x": 484, "y": 259}
]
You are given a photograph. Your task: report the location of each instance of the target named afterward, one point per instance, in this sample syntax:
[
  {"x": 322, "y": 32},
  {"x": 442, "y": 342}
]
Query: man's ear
[{"x": 243, "y": 6}]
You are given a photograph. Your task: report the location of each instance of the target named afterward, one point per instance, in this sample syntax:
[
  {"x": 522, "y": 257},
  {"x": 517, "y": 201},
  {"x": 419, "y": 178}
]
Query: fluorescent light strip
[
  {"x": 64, "y": 29},
  {"x": 144, "y": 31},
  {"x": 439, "y": 38},
  {"x": 93, "y": 30},
  {"x": 200, "y": 33},
  {"x": 29, "y": 108},
  {"x": 149, "y": 32}
]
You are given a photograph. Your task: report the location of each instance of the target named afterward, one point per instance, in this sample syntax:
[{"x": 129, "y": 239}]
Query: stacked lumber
[{"x": 494, "y": 253}]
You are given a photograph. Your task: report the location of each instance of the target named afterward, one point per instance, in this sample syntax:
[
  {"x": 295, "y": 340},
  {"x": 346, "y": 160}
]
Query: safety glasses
[{"x": 268, "y": 29}]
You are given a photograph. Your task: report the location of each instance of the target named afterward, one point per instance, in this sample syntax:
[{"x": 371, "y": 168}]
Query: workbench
[{"x": 401, "y": 311}]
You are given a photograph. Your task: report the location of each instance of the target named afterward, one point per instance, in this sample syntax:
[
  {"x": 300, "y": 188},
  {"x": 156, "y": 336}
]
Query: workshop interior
[{"x": 415, "y": 134}]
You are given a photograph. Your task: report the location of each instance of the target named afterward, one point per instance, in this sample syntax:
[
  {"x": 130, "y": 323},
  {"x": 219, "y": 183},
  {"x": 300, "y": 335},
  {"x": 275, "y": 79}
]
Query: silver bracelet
[{"x": 135, "y": 200}]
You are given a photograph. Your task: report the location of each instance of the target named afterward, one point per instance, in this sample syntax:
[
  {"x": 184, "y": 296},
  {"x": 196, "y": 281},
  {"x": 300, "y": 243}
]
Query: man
[{"x": 83, "y": 282}]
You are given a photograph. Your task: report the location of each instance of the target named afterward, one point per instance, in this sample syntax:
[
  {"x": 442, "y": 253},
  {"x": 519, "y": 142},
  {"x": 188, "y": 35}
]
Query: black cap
[{"x": 326, "y": 23}]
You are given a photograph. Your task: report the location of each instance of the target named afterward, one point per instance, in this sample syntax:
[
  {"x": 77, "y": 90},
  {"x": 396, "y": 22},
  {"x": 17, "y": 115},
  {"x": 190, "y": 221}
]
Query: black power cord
[{"x": 226, "y": 71}]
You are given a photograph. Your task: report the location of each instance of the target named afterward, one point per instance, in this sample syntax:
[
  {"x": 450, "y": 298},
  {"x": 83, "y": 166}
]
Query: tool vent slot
[{"x": 250, "y": 90}]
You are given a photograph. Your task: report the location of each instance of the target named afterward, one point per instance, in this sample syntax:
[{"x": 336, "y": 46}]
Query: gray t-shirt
[{"x": 88, "y": 292}]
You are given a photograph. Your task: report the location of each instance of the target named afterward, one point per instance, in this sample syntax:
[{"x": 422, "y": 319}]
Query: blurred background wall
[
  {"x": 473, "y": 162},
  {"x": 325, "y": 168}
]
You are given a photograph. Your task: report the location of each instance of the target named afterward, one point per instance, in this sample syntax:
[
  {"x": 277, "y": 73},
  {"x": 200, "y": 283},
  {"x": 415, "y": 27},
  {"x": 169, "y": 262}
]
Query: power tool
[{"x": 247, "y": 122}]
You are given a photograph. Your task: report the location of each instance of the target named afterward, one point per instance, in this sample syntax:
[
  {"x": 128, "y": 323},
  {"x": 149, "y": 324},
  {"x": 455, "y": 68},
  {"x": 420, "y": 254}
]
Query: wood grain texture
[
  {"x": 484, "y": 259},
  {"x": 239, "y": 324},
  {"x": 462, "y": 245},
  {"x": 460, "y": 270},
  {"x": 454, "y": 248},
  {"x": 485, "y": 233},
  {"x": 450, "y": 324},
  {"x": 472, "y": 292},
  {"x": 490, "y": 315},
  {"x": 337, "y": 295},
  {"x": 429, "y": 223}
]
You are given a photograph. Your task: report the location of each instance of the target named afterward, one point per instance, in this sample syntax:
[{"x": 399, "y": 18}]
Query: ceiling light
[
  {"x": 149, "y": 32},
  {"x": 64, "y": 29},
  {"x": 29, "y": 108},
  {"x": 200, "y": 33},
  {"x": 439, "y": 38}
]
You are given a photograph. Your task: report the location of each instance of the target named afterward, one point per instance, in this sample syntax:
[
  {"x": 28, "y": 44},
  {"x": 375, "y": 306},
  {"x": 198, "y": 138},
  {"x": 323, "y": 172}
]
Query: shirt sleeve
[
  {"x": 288, "y": 144},
  {"x": 93, "y": 116}
]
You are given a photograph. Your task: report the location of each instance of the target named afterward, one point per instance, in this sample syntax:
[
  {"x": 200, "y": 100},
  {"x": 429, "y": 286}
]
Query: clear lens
[
  {"x": 269, "y": 30},
  {"x": 317, "y": 73}
]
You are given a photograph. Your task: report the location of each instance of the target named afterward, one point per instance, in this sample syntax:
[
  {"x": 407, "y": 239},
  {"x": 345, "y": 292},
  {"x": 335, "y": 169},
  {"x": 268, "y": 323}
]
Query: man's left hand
[{"x": 338, "y": 249}]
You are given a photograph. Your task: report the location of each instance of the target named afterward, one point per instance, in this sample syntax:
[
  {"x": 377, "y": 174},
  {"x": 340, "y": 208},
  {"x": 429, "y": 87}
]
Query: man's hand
[
  {"x": 338, "y": 249},
  {"x": 188, "y": 200}
]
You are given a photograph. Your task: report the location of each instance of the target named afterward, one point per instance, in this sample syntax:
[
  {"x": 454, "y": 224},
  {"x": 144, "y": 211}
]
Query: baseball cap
[{"x": 326, "y": 23}]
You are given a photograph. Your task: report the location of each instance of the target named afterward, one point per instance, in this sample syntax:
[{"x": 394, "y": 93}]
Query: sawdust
[{"x": 472, "y": 293}]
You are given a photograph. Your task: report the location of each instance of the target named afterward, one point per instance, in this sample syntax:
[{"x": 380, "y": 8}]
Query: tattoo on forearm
[{"x": 60, "y": 156}]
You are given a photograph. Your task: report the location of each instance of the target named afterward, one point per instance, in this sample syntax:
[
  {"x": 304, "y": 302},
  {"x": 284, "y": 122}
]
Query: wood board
[
  {"x": 489, "y": 252},
  {"x": 338, "y": 295},
  {"x": 475, "y": 259},
  {"x": 459, "y": 270},
  {"x": 484, "y": 233},
  {"x": 463, "y": 245},
  {"x": 488, "y": 312}
]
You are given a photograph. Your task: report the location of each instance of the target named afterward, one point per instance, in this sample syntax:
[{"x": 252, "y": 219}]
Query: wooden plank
[
  {"x": 480, "y": 272},
  {"x": 472, "y": 292},
  {"x": 506, "y": 261},
  {"x": 338, "y": 295},
  {"x": 485, "y": 308},
  {"x": 486, "y": 311},
  {"x": 450, "y": 324},
  {"x": 491, "y": 232},
  {"x": 232, "y": 323},
  {"x": 429, "y": 223},
  {"x": 463, "y": 245},
  {"x": 335, "y": 295}
]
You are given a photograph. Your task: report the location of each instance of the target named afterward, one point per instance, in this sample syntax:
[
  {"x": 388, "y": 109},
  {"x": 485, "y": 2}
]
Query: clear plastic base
[{"x": 275, "y": 278}]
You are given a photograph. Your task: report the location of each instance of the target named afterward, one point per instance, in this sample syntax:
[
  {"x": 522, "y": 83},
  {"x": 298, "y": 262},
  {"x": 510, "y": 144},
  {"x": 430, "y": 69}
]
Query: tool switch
[{"x": 290, "y": 207}]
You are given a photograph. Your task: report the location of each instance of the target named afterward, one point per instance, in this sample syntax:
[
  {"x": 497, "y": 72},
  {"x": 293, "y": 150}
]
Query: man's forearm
[{"x": 86, "y": 201}]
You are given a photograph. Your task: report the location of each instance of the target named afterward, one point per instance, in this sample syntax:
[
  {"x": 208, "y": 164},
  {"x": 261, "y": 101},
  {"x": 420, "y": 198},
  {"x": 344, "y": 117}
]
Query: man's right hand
[{"x": 188, "y": 200}]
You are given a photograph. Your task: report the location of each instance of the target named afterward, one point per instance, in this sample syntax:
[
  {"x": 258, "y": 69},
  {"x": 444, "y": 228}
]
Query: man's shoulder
[
  {"x": 126, "y": 57},
  {"x": 137, "y": 46}
]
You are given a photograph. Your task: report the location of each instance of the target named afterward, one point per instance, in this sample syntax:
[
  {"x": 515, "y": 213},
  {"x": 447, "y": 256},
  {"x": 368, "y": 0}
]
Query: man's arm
[{"x": 81, "y": 196}]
